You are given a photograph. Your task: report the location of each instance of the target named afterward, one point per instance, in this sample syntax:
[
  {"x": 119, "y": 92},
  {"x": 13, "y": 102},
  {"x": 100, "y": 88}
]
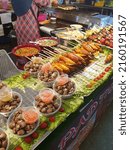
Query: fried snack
[
  {"x": 60, "y": 66},
  {"x": 87, "y": 47},
  {"x": 108, "y": 58},
  {"x": 66, "y": 60},
  {"x": 72, "y": 56},
  {"x": 56, "y": 65}
]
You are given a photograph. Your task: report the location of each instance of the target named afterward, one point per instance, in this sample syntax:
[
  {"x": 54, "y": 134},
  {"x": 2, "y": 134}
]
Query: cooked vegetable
[
  {"x": 47, "y": 42},
  {"x": 26, "y": 51}
]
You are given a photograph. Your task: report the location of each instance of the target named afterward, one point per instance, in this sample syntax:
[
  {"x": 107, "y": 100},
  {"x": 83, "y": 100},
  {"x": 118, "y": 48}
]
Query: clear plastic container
[
  {"x": 3, "y": 122},
  {"x": 24, "y": 109},
  {"x": 68, "y": 95},
  {"x": 5, "y": 94},
  {"x": 9, "y": 112},
  {"x": 58, "y": 100},
  {"x": 7, "y": 138},
  {"x": 48, "y": 84},
  {"x": 34, "y": 73}
]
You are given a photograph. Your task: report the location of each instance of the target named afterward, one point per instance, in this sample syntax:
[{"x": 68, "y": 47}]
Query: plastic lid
[
  {"x": 30, "y": 115},
  {"x": 47, "y": 95},
  {"x": 5, "y": 94}
]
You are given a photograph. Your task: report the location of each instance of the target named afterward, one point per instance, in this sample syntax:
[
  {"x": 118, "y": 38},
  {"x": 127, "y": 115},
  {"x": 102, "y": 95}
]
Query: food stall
[
  {"x": 61, "y": 93},
  {"x": 54, "y": 90}
]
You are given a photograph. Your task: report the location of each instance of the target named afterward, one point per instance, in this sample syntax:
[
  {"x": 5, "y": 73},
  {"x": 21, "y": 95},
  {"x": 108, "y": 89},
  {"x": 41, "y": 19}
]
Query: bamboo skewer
[
  {"x": 55, "y": 49},
  {"x": 43, "y": 55},
  {"x": 51, "y": 47},
  {"x": 71, "y": 43},
  {"x": 47, "y": 48},
  {"x": 65, "y": 48},
  {"x": 27, "y": 58},
  {"x": 53, "y": 53},
  {"x": 78, "y": 41},
  {"x": 48, "y": 53},
  {"x": 60, "y": 50}
]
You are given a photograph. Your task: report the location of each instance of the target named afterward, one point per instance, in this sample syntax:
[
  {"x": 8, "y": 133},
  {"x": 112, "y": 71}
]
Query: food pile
[
  {"x": 47, "y": 42},
  {"x": 34, "y": 66},
  {"x": 80, "y": 57},
  {"x": 48, "y": 102},
  {"x": 104, "y": 37},
  {"x": 108, "y": 58},
  {"x": 48, "y": 74},
  {"x": 3, "y": 140},
  {"x": 26, "y": 51},
  {"x": 23, "y": 122},
  {"x": 70, "y": 35},
  {"x": 92, "y": 75},
  {"x": 64, "y": 86},
  {"x": 67, "y": 7}
]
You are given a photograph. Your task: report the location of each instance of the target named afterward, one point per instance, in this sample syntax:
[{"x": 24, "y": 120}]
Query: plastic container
[
  {"x": 7, "y": 138},
  {"x": 48, "y": 84},
  {"x": 104, "y": 19},
  {"x": 3, "y": 122},
  {"x": 23, "y": 47},
  {"x": 9, "y": 112},
  {"x": 59, "y": 101},
  {"x": 24, "y": 109},
  {"x": 42, "y": 17},
  {"x": 5, "y": 94},
  {"x": 34, "y": 73},
  {"x": 68, "y": 95},
  {"x": 53, "y": 20}
]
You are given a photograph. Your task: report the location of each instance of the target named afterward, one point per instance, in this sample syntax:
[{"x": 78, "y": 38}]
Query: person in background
[
  {"x": 4, "y": 4},
  {"x": 26, "y": 26}
]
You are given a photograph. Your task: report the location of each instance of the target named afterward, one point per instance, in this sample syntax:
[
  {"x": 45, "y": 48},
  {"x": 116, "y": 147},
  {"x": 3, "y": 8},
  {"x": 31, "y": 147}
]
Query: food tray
[
  {"x": 67, "y": 7},
  {"x": 24, "y": 46},
  {"x": 47, "y": 38},
  {"x": 63, "y": 32}
]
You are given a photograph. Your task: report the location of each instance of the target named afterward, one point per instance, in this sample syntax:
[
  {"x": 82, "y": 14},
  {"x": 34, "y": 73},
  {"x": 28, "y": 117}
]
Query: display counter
[{"x": 89, "y": 66}]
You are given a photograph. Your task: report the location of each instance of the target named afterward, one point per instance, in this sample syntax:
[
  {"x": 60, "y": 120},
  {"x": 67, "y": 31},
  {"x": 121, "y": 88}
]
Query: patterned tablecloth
[{"x": 7, "y": 20}]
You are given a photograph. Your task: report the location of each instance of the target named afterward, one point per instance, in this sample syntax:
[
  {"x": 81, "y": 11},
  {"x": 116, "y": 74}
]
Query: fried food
[{"x": 66, "y": 60}]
